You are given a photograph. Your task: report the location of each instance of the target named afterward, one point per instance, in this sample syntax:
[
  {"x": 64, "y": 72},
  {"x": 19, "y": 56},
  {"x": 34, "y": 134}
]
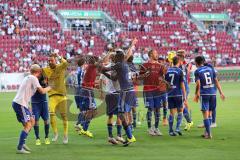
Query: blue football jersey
[
  {"x": 38, "y": 97},
  {"x": 79, "y": 76},
  {"x": 207, "y": 76},
  {"x": 174, "y": 76},
  {"x": 185, "y": 73},
  {"x": 123, "y": 70}
]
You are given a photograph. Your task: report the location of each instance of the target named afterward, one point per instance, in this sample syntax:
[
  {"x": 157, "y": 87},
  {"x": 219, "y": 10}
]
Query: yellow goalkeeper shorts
[{"x": 57, "y": 103}]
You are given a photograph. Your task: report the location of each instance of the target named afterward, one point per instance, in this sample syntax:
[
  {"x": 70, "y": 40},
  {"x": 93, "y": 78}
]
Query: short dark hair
[
  {"x": 161, "y": 59},
  {"x": 199, "y": 60},
  {"x": 119, "y": 57},
  {"x": 175, "y": 60},
  {"x": 91, "y": 59},
  {"x": 81, "y": 61}
]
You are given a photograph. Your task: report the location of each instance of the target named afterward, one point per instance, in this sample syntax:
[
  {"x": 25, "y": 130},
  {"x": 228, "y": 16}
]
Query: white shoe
[
  {"x": 157, "y": 132},
  {"x": 55, "y": 138},
  {"x": 65, "y": 140},
  {"x": 151, "y": 132},
  {"x": 26, "y": 148},
  {"x": 112, "y": 140},
  {"x": 120, "y": 139},
  {"x": 213, "y": 125},
  {"x": 23, "y": 151}
]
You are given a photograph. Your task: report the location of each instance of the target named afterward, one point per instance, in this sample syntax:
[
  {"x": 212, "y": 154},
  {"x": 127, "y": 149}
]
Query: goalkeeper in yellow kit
[{"x": 55, "y": 74}]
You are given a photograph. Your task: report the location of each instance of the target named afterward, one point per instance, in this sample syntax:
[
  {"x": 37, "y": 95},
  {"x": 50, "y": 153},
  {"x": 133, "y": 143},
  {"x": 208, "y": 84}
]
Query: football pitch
[{"x": 224, "y": 145}]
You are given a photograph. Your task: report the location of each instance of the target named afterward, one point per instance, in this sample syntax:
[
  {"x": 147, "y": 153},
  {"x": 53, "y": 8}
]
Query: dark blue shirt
[
  {"x": 38, "y": 97},
  {"x": 185, "y": 74},
  {"x": 122, "y": 70},
  {"x": 79, "y": 76},
  {"x": 207, "y": 76},
  {"x": 174, "y": 76}
]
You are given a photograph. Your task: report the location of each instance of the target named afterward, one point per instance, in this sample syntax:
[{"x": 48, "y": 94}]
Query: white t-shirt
[
  {"x": 26, "y": 91},
  {"x": 109, "y": 86}
]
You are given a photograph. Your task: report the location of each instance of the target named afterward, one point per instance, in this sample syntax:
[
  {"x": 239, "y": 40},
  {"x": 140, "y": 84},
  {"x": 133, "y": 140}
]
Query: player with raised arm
[
  {"x": 127, "y": 93},
  {"x": 206, "y": 84},
  {"x": 88, "y": 104},
  {"x": 40, "y": 109},
  {"x": 151, "y": 92},
  {"x": 55, "y": 73},
  {"x": 177, "y": 96},
  {"x": 20, "y": 104},
  {"x": 186, "y": 69}
]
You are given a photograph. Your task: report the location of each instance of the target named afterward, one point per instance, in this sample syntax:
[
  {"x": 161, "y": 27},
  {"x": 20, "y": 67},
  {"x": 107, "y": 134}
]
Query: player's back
[
  {"x": 174, "y": 76},
  {"x": 206, "y": 75},
  {"x": 122, "y": 70},
  {"x": 26, "y": 90},
  {"x": 89, "y": 76}
]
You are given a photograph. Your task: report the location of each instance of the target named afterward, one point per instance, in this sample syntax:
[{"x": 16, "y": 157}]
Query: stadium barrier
[{"x": 11, "y": 81}]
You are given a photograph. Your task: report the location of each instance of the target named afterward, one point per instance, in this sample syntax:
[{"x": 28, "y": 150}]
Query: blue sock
[
  {"x": 157, "y": 118},
  {"x": 46, "y": 129},
  {"x": 210, "y": 120},
  {"x": 149, "y": 118},
  {"x": 86, "y": 125},
  {"x": 170, "y": 121},
  {"x": 36, "y": 131},
  {"x": 119, "y": 130},
  {"x": 165, "y": 112},
  {"x": 22, "y": 138},
  {"x": 110, "y": 128},
  {"x": 128, "y": 131},
  {"x": 214, "y": 116},
  {"x": 134, "y": 119},
  {"x": 179, "y": 121},
  {"x": 187, "y": 115},
  {"x": 80, "y": 119},
  {"x": 207, "y": 126}
]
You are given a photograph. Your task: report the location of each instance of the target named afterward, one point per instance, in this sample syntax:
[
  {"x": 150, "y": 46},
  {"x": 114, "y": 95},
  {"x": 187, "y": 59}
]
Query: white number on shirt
[
  {"x": 208, "y": 78},
  {"x": 172, "y": 78}
]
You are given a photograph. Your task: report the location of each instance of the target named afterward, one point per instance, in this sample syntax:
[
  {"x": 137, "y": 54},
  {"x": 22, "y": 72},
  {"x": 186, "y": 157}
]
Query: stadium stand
[{"x": 29, "y": 32}]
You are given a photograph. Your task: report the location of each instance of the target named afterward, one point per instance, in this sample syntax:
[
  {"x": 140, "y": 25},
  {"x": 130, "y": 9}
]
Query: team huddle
[{"x": 165, "y": 86}]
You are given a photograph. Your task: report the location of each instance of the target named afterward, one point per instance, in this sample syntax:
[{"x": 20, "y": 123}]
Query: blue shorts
[
  {"x": 23, "y": 114},
  {"x": 40, "y": 110},
  {"x": 175, "y": 102},
  {"x": 152, "y": 99},
  {"x": 112, "y": 101},
  {"x": 86, "y": 99},
  {"x": 127, "y": 100},
  {"x": 77, "y": 97},
  {"x": 208, "y": 102}
]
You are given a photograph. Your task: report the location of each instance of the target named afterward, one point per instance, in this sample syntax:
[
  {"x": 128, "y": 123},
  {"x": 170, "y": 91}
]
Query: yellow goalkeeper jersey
[{"x": 56, "y": 78}]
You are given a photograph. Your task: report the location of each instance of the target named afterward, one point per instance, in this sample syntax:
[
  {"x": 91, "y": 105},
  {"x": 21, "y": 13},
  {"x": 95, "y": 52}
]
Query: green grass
[{"x": 225, "y": 144}]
